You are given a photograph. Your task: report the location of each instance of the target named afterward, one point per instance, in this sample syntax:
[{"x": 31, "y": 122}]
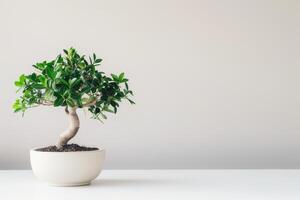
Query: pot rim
[{"x": 69, "y": 152}]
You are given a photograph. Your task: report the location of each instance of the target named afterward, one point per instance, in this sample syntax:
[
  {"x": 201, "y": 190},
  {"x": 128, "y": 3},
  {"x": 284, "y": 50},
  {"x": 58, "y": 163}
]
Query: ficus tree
[{"x": 72, "y": 81}]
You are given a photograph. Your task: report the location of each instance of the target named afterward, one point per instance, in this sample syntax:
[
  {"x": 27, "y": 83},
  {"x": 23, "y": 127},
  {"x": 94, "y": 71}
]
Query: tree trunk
[{"x": 72, "y": 129}]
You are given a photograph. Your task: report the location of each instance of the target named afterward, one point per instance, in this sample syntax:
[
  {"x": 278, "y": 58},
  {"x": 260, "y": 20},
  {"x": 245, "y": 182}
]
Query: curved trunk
[{"x": 72, "y": 129}]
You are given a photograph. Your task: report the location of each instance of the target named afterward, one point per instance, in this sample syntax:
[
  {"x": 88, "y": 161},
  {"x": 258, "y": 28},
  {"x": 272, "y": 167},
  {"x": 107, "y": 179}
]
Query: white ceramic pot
[{"x": 67, "y": 168}]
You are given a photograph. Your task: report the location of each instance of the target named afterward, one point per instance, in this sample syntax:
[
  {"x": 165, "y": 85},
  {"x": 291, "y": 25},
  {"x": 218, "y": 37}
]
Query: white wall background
[{"x": 216, "y": 82}]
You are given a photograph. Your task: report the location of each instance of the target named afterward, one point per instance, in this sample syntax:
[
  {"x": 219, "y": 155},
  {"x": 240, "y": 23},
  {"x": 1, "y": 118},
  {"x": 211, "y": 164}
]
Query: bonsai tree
[{"x": 72, "y": 81}]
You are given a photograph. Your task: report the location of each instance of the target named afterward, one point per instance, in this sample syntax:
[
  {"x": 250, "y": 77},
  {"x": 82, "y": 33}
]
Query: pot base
[{"x": 69, "y": 184}]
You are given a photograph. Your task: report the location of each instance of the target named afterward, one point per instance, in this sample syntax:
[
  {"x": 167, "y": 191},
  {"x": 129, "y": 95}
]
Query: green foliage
[{"x": 72, "y": 80}]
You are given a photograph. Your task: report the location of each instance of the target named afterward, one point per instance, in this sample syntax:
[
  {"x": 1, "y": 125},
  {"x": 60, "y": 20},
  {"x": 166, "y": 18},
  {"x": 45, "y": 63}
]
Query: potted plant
[{"x": 73, "y": 82}]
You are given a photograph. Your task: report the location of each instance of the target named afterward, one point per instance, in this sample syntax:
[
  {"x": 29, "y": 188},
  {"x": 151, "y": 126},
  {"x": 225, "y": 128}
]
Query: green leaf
[
  {"x": 70, "y": 102},
  {"x": 49, "y": 83},
  {"x": 22, "y": 78},
  {"x": 66, "y": 94},
  {"x": 114, "y": 104},
  {"x": 104, "y": 116},
  {"x": 108, "y": 110},
  {"x": 63, "y": 82},
  {"x": 85, "y": 90},
  {"x": 50, "y": 72},
  {"x": 124, "y": 80},
  {"x": 32, "y": 77},
  {"x": 58, "y": 59},
  {"x": 17, "y": 106},
  {"x": 18, "y": 84},
  {"x": 130, "y": 92},
  {"x": 49, "y": 95},
  {"x": 79, "y": 102},
  {"x": 43, "y": 80},
  {"x": 115, "y": 77},
  {"x": 58, "y": 101},
  {"x": 75, "y": 96},
  {"x": 65, "y": 51},
  {"x": 99, "y": 60},
  {"x": 132, "y": 102},
  {"x": 121, "y": 76},
  {"x": 74, "y": 83},
  {"x": 38, "y": 86},
  {"x": 58, "y": 74},
  {"x": 115, "y": 109},
  {"x": 17, "y": 109},
  {"x": 40, "y": 66},
  {"x": 21, "y": 81},
  {"x": 97, "y": 110},
  {"x": 27, "y": 94}
]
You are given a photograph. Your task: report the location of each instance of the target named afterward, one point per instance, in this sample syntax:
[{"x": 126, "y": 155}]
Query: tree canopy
[{"x": 72, "y": 80}]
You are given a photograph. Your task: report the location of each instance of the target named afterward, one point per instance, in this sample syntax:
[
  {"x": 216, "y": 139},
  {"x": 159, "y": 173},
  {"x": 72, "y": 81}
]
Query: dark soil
[{"x": 67, "y": 148}]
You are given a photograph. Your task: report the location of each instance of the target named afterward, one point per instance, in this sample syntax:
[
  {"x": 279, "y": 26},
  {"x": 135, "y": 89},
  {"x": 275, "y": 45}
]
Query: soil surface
[{"x": 67, "y": 148}]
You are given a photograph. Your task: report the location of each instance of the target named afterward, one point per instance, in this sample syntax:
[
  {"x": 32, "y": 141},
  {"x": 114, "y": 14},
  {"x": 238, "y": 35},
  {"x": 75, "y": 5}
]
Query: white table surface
[{"x": 160, "y": 184}]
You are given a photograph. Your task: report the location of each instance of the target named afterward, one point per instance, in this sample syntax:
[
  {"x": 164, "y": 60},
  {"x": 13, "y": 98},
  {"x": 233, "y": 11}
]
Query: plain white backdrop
[{"x": 216, "y": 82}]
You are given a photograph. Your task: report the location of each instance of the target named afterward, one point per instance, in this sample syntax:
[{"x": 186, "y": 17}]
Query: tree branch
[
  {"x": 93, "y": 101},
  {"x": 66, "y": 110},
  {"x": 88, "y": 104},
  {"x": 73, "y": 127},
  {"x": 45, "y": 102},
  {"x": 48, "y": 103}
]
